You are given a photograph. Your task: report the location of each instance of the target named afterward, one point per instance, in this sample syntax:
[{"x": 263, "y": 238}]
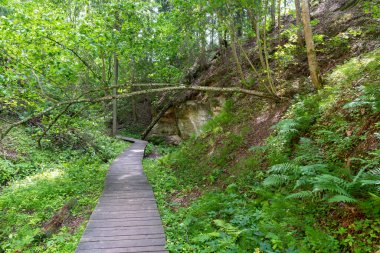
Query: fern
[
  {"x": 331, "y": 184},
  {"x": 202, "y": 238},
  {"x": 313, "y": 169},
  {"x": 342, "y": 198},
  {"x": 301, "y": 195},
  {"x": 302, "y": 182},
  {"x": 276, "y": 180},
  {"x": 374, "y": 172},
  {"x": 372, "y": 178},
  {"x": 284, "y": 168},
  {"x": 370, "y": 182},
  {"x": 287, "y": 126}
]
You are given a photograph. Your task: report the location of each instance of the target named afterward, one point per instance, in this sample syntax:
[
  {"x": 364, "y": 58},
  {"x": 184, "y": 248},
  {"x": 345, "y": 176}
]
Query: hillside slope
[{"x": 300, "y": 176}]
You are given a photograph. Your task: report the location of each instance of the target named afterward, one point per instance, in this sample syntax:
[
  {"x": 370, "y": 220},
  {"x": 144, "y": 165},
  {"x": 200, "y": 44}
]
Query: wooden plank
[
  {"x": 142, "y": 230},
  {"x": 122, "y": 244},
  {"x": 126, "y": 195},
  {"x": 146, "y": 249},
  {"x": 122, "y": 202},
  {"x": 124, "y": 223},
  {"x": 126, "y": 215},
  {"x": 136, "y": 208},
  {"x": 126, "y": 218},
  {"x": 122, "y": 237}
]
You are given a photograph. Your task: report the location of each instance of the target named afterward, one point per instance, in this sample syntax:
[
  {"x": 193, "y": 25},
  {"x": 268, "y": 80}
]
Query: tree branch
[
  {"x": 77, "y": 55},
  {"x": 51, "y": 124}
]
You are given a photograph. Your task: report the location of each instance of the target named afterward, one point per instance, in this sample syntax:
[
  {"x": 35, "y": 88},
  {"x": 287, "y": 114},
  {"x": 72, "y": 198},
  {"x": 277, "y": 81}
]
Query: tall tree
[{"x": 311, "y": 54}]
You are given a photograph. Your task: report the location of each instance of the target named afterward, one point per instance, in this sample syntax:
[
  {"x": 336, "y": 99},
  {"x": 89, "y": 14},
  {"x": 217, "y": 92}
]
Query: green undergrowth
[
  {"x": 48, "y": 193},
  {"x": 313, "y": 186}
]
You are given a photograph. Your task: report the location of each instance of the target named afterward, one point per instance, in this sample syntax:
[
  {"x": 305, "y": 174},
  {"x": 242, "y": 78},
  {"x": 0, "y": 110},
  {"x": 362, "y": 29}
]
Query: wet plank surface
[{"x": 126, "y": 218}]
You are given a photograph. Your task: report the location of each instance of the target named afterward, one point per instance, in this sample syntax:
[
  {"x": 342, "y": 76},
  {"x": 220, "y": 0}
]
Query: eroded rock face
[
  {"x": 167, "y": 126},
  {"x": 191, "y": 116},
  {"x": 188, "y": 118}
]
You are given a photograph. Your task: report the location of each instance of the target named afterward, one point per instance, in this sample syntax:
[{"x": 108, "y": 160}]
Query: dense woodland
[{"x": 289, "y": 161}]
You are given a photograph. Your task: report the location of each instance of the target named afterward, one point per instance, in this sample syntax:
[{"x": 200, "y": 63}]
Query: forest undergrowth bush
[
  {"x": 312, "y": 187},
  {"x": 37, "y": 183}
]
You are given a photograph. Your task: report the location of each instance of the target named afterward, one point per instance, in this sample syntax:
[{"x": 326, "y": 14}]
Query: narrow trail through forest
[{"x": 126, "y": 218}]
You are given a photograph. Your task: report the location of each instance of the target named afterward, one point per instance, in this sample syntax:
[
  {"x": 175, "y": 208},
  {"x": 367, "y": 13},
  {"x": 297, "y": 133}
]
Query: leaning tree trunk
[
  {"x": 156, "y": 119},
  {"x": 311, "y": 54}
]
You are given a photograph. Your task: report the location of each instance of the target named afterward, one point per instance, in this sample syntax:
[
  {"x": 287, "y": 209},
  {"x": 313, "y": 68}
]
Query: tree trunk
[
  {"x": 299, "y": 22},
  {"x": 134, "y": 108},
  {"x": 256, "y": 28},
  {"x": 273, "y": 13},
  {"x": 114, "y": 93},
  {"x": 212, "y": 32},
  {"x": 235, "y": 53},
  {"x": 239, "y": 24},
  {"x": 311, "y": 54},
  {"x": 279, "y": 17},
  {"x": 155, "y": 120},
  {"x": 272, "y": 88},
  {"x": 103, "y": 69},
  {"x": 203, "y": 54}
]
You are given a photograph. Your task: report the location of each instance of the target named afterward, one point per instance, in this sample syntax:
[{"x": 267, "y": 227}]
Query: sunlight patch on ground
[{"x": 32, "y": 180}]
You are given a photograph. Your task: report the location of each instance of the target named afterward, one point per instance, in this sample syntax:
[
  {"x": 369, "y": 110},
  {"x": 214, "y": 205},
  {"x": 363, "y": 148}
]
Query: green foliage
[
  {"x": 360, "y": 236},
  {"x": 373, "y": 8},
  {"x": 51, "y": 179},
  {"x": 318, "y": 241}
]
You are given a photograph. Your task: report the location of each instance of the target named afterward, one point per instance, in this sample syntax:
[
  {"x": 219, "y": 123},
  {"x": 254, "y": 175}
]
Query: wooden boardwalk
[{"x": 126, "y": 218}]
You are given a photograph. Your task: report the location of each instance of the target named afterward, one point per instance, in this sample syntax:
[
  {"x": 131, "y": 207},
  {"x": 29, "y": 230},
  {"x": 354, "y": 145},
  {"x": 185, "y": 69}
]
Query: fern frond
[
  {"x": 202, "y": 238},
  {"x": 301, "y": 195},
  {"x": 331, "y": 183},
  {"x": 330, "y": 179},
  {"x": 276, "y": 180},
  {"x": 302, "y": 182},
  {"x": 372, "y": 177},
  {"x": 286, "y": 124},
  {"x": 374, "y": 172},
  {"x": 342, "y": 198},
  {"x": 358, "y": 176},
  {"x": 370, "y": 182},
  {"x": 228, "y": 228},
  {"x": 283, "y": 168},
  {"x": 313, "y": 169},
  {"x": 375, "y": 198}
]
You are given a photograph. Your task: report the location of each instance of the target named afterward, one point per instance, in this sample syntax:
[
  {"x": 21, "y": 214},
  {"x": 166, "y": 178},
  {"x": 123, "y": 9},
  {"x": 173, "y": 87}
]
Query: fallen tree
[{"x": 258, "y": 94}]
